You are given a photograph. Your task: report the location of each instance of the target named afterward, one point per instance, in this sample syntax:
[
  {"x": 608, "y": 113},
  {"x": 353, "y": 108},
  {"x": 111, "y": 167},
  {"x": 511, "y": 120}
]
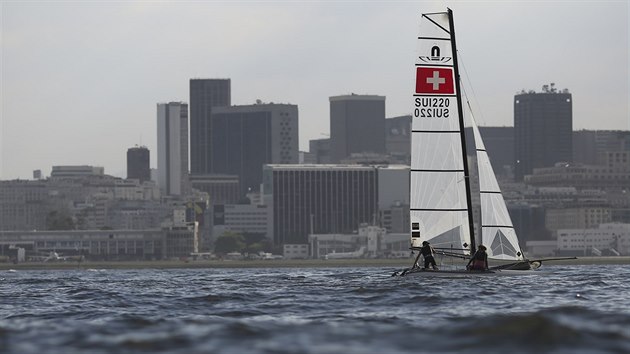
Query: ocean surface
[{"x": 560, "y": 309}]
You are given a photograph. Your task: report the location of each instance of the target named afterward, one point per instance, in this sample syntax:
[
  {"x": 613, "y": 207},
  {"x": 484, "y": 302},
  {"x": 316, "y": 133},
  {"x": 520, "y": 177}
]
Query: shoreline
[{"x": 293, "y": 263}]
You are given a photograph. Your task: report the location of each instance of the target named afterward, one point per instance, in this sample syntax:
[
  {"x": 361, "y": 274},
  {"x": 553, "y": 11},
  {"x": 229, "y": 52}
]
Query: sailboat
[{"x": 441, "y": 203}]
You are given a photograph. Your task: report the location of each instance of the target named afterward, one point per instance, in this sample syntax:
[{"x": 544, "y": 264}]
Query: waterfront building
[
  {"x": 138, "y": 163},
  {"x": 205, "y": 94},
  {"x": 328, "y": 198},
  {"x": 357, "y": 125},
  {"x": 543, "y": 129},
  {"x": 609, "y": 239},
  {"x": 172, "y": 139},
  {"x": 295, "y": 251},
  {"x": 91, "y": 244},
  {"x": 367, "y": 242}
]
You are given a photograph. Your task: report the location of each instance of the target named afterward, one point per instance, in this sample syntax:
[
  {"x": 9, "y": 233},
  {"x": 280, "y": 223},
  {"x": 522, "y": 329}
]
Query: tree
[
  {"x": 59, "y": 220},
  {"x": 229, "y": 242}
]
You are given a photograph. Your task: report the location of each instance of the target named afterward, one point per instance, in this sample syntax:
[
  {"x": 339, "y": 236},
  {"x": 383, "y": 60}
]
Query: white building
[
  {"x": 242, "y": 218},
  {"x": 609, "y": 239},
  {"x": 172, "y": 131},
  {"x": 295, "y": 251},
  {"x": 368, "y": 242}
]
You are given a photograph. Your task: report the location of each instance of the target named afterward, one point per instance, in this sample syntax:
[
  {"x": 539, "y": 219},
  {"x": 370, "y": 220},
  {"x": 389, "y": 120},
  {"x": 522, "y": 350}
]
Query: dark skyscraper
[
  {"x": 357, "y": 125},
  {"x": 204, "y": 95},
  {"x": 320, "y": 199},
  {"x": 543, "y": 128},
  {"x": 138, "y": 165},
  {"x": 244, "y": 138}
]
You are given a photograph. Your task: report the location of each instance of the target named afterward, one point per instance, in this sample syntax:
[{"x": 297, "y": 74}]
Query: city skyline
[{"x": 80, "y": 81}]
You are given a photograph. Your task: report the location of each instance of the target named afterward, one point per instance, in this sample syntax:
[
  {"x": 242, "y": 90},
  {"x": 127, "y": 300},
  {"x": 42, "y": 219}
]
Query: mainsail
[{"x": 440, "y": 206}]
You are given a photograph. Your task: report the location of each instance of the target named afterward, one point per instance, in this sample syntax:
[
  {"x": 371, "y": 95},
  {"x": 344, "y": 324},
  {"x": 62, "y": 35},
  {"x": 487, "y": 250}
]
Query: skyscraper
[
  {"x": 204, "y": 95},
  {"x": 320, "y": 199},
  {"x": 244, "y": 138},
  {"x": 172, "y": 129},
  {"x": 138, "y": 163},
  {"x": 357, "y": 125},
  {"x": 543, "y": 125}
]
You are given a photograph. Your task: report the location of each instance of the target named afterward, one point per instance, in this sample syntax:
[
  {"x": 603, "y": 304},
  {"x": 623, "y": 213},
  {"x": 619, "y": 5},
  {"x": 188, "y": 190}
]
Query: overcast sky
[{"x": 80, "y": 80}]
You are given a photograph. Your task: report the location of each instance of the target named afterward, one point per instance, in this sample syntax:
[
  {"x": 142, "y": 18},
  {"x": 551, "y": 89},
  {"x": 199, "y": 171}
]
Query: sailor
[
  {"x": 427, "y": 252},
  {"x": 479, "y": 260}
]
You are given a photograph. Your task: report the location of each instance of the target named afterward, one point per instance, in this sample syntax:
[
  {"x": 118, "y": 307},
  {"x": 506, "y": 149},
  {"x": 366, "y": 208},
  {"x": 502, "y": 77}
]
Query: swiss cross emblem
[{"x": 434, "y": 80}]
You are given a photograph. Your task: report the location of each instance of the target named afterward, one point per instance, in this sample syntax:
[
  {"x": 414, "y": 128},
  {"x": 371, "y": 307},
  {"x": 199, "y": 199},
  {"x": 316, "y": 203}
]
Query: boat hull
[{"x": 466, "y": 273}]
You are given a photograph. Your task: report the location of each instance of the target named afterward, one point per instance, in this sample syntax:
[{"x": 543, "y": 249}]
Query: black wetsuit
[
  {"x": 427, "y": 253},
  {"x": 479, "y": 261}
]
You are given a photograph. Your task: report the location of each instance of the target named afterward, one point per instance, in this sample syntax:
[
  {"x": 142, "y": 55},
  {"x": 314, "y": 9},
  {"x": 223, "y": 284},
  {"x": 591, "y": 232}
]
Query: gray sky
[{"x": 80, "y": 80}]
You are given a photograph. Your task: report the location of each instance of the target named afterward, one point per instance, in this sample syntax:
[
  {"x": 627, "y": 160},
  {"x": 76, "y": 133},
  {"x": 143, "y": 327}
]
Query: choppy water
[{"x": 573, "y": 309}]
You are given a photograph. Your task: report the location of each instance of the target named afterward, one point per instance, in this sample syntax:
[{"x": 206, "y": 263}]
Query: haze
[{"x": 80, "y": 81}]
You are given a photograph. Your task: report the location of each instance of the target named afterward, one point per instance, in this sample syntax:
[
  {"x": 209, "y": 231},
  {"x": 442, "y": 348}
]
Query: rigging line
[{"x": 472, "y": 89}]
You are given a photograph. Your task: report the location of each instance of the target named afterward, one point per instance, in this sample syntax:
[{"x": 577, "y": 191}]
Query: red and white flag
[{"x": 434, "y": 80}]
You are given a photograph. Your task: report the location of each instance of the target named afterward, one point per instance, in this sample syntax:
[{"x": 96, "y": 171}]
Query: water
[{"x": 572, "y": 309}]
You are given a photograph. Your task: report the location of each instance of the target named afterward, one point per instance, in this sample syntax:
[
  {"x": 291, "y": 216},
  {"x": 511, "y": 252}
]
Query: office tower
[
  {"x": 204, "y": 95},
  {"x": 172, "y": 129},
  {"x": 244, "y": 138},
  {"x": 320, "y": 199},
  {"x": 138, "y": 163},
  {"x": 357, "y": 125},
  {"x": 543, "y": 128}
]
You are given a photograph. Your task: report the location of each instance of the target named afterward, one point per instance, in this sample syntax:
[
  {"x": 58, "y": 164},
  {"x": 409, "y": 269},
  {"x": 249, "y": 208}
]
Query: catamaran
[{"x": 441, "y": 205}]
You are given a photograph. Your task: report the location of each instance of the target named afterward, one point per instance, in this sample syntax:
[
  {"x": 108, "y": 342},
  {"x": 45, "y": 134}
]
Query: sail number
[{"x": 432, "y": 107}]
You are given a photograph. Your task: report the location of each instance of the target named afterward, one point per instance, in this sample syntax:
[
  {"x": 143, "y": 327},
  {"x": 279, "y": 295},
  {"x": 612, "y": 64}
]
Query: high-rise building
[
  {"x": 357, "y": 125},
  {"x": 244, "y": 138},
  {"x": 543, "y": 129},
  {"x": 172, "y": 130},
  {"x": 138, "y": 163},
  {"x": 204, "y": 95},
  {"x": 319, "y": 199}
]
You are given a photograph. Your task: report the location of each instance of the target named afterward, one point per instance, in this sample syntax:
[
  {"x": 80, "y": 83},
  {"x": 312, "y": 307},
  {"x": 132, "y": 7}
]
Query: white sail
[
  {"x": 497, "y": 231},
  {"x": 438, "y": 203}
]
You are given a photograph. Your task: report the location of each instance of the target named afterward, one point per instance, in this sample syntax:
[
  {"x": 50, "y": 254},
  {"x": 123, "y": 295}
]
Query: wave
[{"x": 566, "y": 328}]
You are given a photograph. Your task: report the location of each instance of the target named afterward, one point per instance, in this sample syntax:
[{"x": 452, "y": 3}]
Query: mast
[{"x": 471, "y": 224}]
